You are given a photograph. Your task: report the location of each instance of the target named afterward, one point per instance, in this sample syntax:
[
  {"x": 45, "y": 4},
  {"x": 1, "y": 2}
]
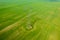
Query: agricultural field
[{"x": 30, "y": 21}]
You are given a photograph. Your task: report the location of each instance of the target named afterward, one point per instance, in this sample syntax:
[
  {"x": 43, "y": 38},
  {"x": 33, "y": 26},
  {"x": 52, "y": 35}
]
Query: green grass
[{"x": 42, "y": 17}]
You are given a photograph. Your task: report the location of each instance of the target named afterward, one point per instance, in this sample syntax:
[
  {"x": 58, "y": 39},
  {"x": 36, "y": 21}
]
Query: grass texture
[{"x": 30, "y": 21}]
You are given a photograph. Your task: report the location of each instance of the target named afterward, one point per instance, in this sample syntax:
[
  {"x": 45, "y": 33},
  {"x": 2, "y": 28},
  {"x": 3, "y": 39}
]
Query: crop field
[{"x": 30, "y": 21}]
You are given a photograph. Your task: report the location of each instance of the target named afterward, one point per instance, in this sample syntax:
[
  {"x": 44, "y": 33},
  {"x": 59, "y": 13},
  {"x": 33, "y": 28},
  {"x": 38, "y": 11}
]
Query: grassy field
[{"x": 30, "y": 21}]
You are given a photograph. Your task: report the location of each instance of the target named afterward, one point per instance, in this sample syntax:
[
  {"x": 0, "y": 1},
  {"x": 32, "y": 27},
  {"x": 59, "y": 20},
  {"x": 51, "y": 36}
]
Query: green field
[{"x": 30, "y": 21}]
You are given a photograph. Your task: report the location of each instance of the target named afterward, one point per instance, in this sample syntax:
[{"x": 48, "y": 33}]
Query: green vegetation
[{"x": 30, "y": 21}]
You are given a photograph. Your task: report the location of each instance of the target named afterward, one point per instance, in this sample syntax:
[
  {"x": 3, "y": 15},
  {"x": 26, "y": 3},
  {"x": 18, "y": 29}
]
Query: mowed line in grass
[{"x": 8, "y": 21}]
